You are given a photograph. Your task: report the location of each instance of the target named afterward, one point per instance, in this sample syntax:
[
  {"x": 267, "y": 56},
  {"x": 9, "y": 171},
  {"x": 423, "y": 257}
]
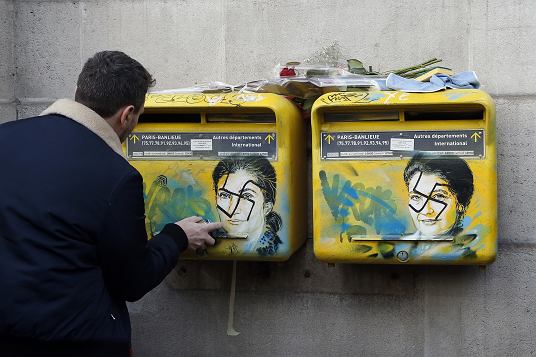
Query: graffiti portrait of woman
[
  {"x": 439, "y": 191},
  {"x": 245, "y": 196}
]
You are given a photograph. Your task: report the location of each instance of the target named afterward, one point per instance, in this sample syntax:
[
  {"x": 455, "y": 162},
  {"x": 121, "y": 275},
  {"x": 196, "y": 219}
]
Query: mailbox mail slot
[
  {"x": 404, "y": 178},
  {"x": 231, "y": 157}
]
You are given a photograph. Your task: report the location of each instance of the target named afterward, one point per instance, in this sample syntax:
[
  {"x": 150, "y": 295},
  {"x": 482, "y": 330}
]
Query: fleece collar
[{"x": 88, "y": 118}]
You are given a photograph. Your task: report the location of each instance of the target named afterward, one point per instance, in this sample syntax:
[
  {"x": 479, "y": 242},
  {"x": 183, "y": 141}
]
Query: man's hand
[{"x": 197, "y": 232}]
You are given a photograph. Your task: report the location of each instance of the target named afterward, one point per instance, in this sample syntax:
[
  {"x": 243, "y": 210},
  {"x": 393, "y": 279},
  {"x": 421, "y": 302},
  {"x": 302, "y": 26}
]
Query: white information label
[
  {"x": 374, "y": 145},
  {"x": 402, "y": 144},
  {"x": 201, "y": 144}
]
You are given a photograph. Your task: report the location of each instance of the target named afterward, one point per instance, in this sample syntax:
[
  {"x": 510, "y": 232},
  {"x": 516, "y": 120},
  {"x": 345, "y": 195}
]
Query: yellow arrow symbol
[
  {"x": 476, "y": 136},
  {"x": 329, "y": 138},
  {"x": 269, "y": 138},
  {"x": 134, "y": 138}
]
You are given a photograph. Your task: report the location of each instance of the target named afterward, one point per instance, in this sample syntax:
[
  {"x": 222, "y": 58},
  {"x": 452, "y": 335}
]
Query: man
[{"x": 73, "y": 245}]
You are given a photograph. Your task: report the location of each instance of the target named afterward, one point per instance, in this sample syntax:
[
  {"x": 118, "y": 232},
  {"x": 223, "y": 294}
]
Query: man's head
[{"x": 114, "y": 86}]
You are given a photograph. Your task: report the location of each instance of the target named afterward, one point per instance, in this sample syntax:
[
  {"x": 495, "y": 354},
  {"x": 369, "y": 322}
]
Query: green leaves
[{"x": 355, "y": 66}]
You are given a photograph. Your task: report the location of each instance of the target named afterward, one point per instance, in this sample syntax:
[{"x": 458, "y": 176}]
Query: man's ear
[
  {"x": 268, "y": 207},
  {"x": 125, "y": 115}
]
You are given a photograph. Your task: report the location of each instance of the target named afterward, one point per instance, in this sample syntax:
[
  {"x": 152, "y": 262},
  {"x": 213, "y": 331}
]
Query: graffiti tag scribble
[
  {"x": 233, "y": 249},
  {"x": 351, "y": 97},
  {"x": 161, "y": 181},
  {"x": 233, "y": 99}
]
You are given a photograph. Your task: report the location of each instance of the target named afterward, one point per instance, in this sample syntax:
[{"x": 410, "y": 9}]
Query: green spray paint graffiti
[
  {"x": 164, "y": 206},
  {"x": 373, "y": 206}
]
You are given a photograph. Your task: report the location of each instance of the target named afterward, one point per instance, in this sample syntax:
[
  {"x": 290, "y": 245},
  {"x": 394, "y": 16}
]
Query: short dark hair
[
  {"x": 110, "y": 80},
  {"x": 452, "y": 169}
]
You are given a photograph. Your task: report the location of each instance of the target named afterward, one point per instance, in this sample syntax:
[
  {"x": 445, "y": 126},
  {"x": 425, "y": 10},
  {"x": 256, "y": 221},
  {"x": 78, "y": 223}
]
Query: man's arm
[{"x": 131, "y": 264}]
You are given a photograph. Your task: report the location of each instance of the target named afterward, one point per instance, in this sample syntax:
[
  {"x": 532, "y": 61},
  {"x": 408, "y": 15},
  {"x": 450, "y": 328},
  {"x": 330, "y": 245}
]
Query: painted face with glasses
[{"x": 439, "y": 192}]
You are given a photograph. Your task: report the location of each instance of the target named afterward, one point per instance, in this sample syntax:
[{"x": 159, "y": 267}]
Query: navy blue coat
[{"x": 73, "y": 244}]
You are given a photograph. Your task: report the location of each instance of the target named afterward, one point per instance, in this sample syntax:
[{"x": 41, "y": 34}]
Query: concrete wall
[{"x": 305, "y": 307}]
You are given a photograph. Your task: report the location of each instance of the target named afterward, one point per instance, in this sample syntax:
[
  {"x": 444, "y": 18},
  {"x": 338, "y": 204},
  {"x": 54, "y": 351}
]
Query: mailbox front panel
[
  {"x": 405, "y": 181},
  {"x": 225, "y": 164}
]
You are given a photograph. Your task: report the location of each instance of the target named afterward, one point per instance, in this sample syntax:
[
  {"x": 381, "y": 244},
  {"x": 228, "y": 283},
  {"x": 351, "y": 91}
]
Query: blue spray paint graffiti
[
  {"x": 164, "y": 206},
  {"x": 373, "y": 206}
]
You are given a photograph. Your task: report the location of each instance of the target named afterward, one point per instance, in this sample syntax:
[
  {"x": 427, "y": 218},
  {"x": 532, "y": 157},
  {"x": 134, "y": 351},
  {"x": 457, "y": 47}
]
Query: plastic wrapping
[{"x": 301, "y": 87}]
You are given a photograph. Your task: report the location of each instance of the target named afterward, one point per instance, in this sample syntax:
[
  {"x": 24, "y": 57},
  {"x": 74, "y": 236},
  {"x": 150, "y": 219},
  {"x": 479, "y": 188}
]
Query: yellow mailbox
[
  {"x": 405, "y": 177},
  {"x": 232, "y": 157}
]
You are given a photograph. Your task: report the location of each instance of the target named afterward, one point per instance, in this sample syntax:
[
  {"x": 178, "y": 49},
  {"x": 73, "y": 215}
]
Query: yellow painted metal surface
[
  {"x": 260, "y": 199},
  {"x": 404, "y": 178}
]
